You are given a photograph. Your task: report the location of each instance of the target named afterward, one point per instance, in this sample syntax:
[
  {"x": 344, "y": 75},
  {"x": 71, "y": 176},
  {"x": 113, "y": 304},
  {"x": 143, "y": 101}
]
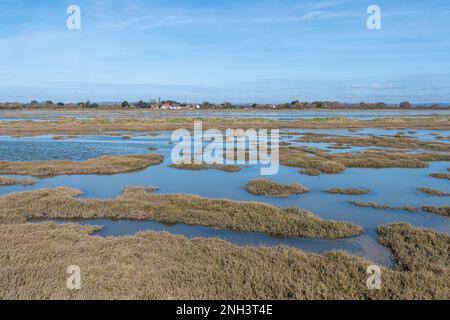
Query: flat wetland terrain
[{"x": 98, "y": 189}]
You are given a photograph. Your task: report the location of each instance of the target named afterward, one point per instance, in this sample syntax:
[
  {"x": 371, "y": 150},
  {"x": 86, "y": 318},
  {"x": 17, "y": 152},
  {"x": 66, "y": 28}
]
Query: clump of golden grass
[
  {"x": 266, "y": 187},
  {"x": 153, "y": 265},
  {"x": 349, "y": 191},
  {"x": 325, "y": 162},
  {"x": 440, "y": 175},
  {"x": 205, "y": 166},
  {"x": 442, "y": 211},
  {"x": 5, "y": 181},
  {"x": 432, "y": 192},
  {"x": 418, "y": 249},
  {"x": 398, "y": 141},
  {"x": 374, "y": 205},
  {"x": 138, "y": 204},
  {"x": 310, "y": 172},
  {"x": 370, "y": 204},
  {"x": 101, "y": 165},
  {"x": 339, "y": 147},
  {"x": 71, "y": 136},
  {"x": 299, "y": 158}
]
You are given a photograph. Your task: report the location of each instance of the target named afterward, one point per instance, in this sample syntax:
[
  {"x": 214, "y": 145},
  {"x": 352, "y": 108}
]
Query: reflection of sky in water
[{"x": 396, "y": 187}]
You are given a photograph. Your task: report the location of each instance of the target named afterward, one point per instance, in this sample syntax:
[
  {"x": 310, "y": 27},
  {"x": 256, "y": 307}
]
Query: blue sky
[{"x": 225, "y": 50}]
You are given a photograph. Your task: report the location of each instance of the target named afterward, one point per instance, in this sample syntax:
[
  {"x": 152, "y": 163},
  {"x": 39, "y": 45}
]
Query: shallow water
[{"x": 396, "y": 187}]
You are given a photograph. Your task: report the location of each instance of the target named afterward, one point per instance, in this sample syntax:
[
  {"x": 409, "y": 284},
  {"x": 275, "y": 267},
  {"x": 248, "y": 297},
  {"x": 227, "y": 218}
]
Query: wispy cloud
[
  {"x": 316, "y": 5},
  {"x": 377, "y": 86}
]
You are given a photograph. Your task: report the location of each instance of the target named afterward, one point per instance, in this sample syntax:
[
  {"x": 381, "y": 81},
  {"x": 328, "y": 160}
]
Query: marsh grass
[
  {"x": 106, "y": 125},
  {"x": 371, "y": 204},
  {"x": 150, "y": 265},
  {"x": 418, "y": 249},
  {"x": 310, "y": 172},
  {"x": 325, "y": 162},
  {"x": 349, "y": 191},
  {"x": 5, "y": 181},
  {"x": 442, "y": 211},
  {"x": 266, "y": 187},
  {"x": 205, "y": 166},
  {"x": 440, "y": 175},
  {"x": 432, "y": 192},
  {"x": 101, "y": 165},
  {"x": 398, "y": 141},
  {"x": 139, "y": 204},
  {"x": 375, "y": 205}
]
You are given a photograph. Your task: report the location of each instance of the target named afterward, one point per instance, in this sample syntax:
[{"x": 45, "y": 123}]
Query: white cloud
[{"x": 377, "y": 86}]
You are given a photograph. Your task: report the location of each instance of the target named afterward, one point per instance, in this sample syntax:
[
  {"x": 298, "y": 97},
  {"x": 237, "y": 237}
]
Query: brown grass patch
[
  {"x": 397, "y": 142},
  {"x": 370, "y": 204},
  {"x": 34, "y": 258},
  {"x": 418, "y": 249},
  {"x": 137, "y": 204},
  {"x": 266, "y": 187},
  {"x": 5, "y": 181},
  {"x": 375, "y": 205},
  {"x": 440, "y": 175},
  {"x": 350, "y": 191},
  {"x": 442, "y": 211},
  {"x": 320, "y": 160},
  {"x": 310, "y": 172},
  {"x": 432, "y": 192},
  {"x": 106, "y": 125},
  {"x": 205, "y": 166},
  {"x": 101, "y": 165}
]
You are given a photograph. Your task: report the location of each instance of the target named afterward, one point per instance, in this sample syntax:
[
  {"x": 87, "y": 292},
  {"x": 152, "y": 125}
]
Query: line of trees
[{"x": 294, "y": 105}]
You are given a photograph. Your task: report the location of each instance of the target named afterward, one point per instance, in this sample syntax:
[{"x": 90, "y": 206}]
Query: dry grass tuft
[
  {"x": 138, "y": 204},
  {"x": 310, "y": 172},
  {"x": 398, "y": 142},
  {"x": 417, "y": 249},
  {"x": 320, "y": 160},
  {"x": 370, "y": 204},
  {"x": 266, "y": 187},
  {"x": 442, "y": 211},
  {"x": 150, "y": 265},
  {"x": 440, "y": 175},
  {"x": 72, "y": 126},
  {"x": 205, "y": 166},
  {"x": 432, "y": 192},
  {"x": 101, "y": 165},
  {"x": 351, "y": 191},
  {"x": 375, "y": 205},
  {"x": 4, "y": 181}
]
